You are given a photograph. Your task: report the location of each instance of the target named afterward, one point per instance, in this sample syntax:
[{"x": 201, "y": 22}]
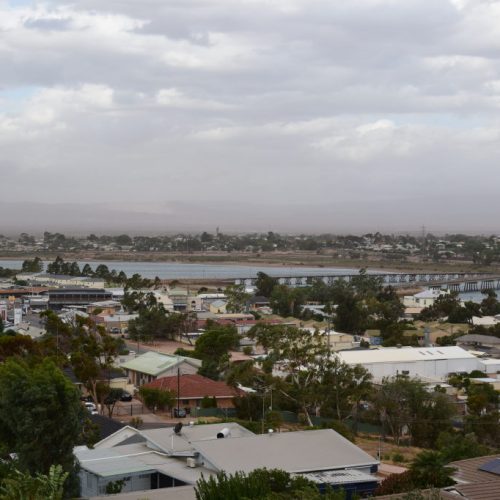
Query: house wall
[
  {"x": 138, "y": 378},
  {"x": 436, "y": 368},
  {"x": 196, "y": 403},
  {"x": 91, "y": 485}
]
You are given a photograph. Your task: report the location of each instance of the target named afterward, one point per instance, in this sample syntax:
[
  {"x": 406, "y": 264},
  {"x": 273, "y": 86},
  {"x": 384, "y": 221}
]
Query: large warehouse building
[{"x": 424, "y": 362}]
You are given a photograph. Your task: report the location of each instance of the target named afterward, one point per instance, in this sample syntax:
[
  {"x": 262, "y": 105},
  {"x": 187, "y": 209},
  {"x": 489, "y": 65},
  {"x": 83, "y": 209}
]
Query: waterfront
[{"x": 180, "y": 270}]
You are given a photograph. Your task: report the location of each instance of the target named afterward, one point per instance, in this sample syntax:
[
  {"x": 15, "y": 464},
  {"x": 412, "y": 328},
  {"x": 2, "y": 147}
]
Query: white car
[{"x": 91, "y": 407}]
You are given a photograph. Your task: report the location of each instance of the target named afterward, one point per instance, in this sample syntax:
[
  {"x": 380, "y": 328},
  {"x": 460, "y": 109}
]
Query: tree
[
  {"x": 259, "y": 484},
  {"x": 287, "y": 301},
  {"x": 92, "y": 355},
  {"x": 40, "y": 415},
  {"x": 344, "y": 387},
  {"x": 87, "y": 270},
  {"x": 482, "y": 418},
  {"x": 405, "y": 403},
  {"x": 309, "y": 370},
  {"x": 490, "y": 305},
  {"x": 237, "y": 298},
  {"x": 429, "y": 469},
  {"x": 23, "y": 486},
  {"x": 213, "y": 347},
  {"x": 455, "y": 446},
  {"x": 33, "y": 266},
  {"x": 265, "y": 284},
  {"x": 113, "y": 396},
  {"x": 156, "y": 399},
  {"x": 102, "y": 271}
]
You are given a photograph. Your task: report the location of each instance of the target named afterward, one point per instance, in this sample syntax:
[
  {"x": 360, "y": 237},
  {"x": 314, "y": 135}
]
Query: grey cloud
[{"x": 366, "y": 106}]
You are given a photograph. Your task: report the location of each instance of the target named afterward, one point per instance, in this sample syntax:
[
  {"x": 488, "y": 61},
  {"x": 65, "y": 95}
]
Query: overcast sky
[{"x": 316, "y": 115}]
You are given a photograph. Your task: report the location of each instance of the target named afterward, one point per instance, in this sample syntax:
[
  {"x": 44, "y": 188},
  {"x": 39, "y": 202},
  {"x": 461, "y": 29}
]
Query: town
[
  {"x": 392, "y": 248},
  {"x": 249, "y": 250},
  {"x": 172, "y": 388}
]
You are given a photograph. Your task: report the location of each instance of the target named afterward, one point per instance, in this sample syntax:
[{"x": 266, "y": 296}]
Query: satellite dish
[{"x": 178, "y": 427}]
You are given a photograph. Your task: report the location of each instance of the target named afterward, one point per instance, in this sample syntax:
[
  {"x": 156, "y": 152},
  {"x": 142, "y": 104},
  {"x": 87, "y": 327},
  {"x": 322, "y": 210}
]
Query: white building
[
  {"x": 149, "y": 459},
  {"x": 423, "y": 299},
  {"x": 423, "y": 362},
  {"x": 62, "y": 280}
]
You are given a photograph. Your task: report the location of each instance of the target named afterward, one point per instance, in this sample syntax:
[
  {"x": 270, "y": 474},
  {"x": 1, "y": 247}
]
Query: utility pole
[
  {"x": 424, "y": 242},
  {"x": 178, "y": 390},
  {"x": 263, "y": 407}
]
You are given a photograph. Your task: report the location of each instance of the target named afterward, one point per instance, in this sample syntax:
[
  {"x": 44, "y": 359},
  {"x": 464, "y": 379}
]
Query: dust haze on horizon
[{"x": 287, "y": 115}]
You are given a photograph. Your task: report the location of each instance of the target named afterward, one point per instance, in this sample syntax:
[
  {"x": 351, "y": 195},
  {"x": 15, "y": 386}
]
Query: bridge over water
[{"x": 459, "y": 282}]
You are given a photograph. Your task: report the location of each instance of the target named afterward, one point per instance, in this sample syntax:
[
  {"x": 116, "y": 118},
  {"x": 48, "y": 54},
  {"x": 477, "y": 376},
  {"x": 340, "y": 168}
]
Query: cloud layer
[{"x": 382, "y": 112}]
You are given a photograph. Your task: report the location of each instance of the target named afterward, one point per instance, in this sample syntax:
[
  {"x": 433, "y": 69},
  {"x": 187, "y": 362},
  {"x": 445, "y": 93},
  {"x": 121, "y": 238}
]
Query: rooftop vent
[
  {"x": 178, "y": 427},
  {"x": 223, "y": 433}
]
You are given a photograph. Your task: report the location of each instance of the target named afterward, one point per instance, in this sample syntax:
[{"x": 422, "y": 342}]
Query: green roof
[{"x": 155, "y": 363}]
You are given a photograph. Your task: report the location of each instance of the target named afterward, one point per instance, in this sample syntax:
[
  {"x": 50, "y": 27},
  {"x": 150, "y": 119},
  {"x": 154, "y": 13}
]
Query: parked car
[
  {"x": 126, "y": 396},
  {"x": 180, "y": 413},
  {"x": 91, "y": 407}
]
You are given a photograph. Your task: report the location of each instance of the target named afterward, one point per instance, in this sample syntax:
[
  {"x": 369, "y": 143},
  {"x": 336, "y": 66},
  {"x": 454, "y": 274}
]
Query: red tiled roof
[{"x": 195, "y": 386}]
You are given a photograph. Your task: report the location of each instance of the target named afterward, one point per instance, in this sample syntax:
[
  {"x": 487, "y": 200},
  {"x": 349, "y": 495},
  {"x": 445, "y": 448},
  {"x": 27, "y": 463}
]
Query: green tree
[
  {"x": 23, "y": 486},
  {"x": 482, "y": 418},
  {"x": 40, "y": 415},
  {"x": 237, "y": 298},
  {"x": 490, "y": 305},
  {"x": 156, "y": 399},
  {"x": 92, "y": 355},
  {"x": 265, "y": 284},
  {"x": 309, "y": 372},
  {"x": 287, "y": 301},
  {"x": 405, "y": 403},
  {"x": 456, "y": 446},
  {"x": 87, "y": 270},
  {"x": 343, "y": 388},
  {"x": 213, "y": 347},
  {"x": 258, "y": 484},
  {"x": 428, "y": 469},
  {"x": 33, "y": 266}
]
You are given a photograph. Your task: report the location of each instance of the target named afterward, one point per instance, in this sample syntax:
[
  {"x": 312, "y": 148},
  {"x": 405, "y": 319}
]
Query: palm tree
[{"x": 429, "y": 469}]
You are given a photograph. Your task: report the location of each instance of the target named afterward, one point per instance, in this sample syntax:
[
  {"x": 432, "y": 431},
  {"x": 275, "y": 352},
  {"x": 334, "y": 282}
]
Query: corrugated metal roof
[
  {"x": 154, "y": 363},
  {"x": 301, "y": 451},
  {"x": 403, "y": 354}
]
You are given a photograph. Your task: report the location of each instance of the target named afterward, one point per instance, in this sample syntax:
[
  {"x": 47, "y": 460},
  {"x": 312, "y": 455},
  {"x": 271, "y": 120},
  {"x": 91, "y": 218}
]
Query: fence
[
  {"x": 130, "y": 410},
  {"x": 214, "y": 412}
]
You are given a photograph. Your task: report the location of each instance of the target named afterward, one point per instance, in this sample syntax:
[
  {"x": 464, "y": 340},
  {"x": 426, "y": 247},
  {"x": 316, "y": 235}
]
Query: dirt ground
[{"x": 388, "y": 450}]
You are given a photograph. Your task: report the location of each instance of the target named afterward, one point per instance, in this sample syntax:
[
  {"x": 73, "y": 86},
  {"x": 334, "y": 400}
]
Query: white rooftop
[
  {"x": 301, "y": 451},
  {"x": 429, "y": 294},
  {"x": 403, "y": 354}
]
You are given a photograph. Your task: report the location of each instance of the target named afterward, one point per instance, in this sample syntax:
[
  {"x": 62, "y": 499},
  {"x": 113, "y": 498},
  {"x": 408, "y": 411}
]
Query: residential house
[
  {"x": 202, "y": 301},
  {"x": 218, "y": 307},
  {"x": 104, "y": 307},
  {"x": 115, "y": 323},
  {"x": 179, "y": 298},
  {"x": 476, "y": 479},
  {"x": 256, "y": 302},
  {"x": 191, "y": 389},
  {"x": 153, "y": 365},
  {"x": 423, "y": 299},
  {"x": 173, "y": 457}
]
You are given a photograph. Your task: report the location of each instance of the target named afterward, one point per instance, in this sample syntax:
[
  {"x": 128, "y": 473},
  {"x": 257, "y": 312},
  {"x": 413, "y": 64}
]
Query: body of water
[{"x": 178, "y": 270}]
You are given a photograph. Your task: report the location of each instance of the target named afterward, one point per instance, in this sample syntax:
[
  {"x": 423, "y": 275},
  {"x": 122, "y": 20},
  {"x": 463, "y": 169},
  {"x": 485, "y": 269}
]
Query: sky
[{"x": 296, "y": 115}]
